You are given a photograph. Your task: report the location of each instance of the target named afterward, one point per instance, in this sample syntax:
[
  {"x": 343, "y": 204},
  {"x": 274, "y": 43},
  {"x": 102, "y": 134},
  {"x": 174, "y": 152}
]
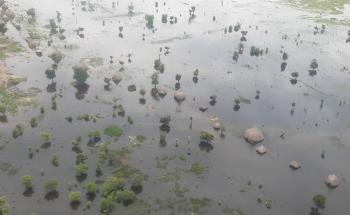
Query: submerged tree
[
  {"x": 27, "y": 181},
  {"x": 3, "y": 28},
  {"x": 164, "y": 123},
  {"x": 235, "y": 56},
  {"x": 206, "y": 137},
  {"x": 80, "y": 74},
  {"x": 131, "y": 10},
  {"x": 149, "y": 21},
  {"x": 51, "y": 189},
  {"x": 17, "y": 131},
  {"x": 155, "y": 82},
  {"x": 50, "y": 74},
  {"x": 74, "y": 198},
  {"x": 3, "y": 117},
  {"x": 81, "y": 171},
  {"x": 313, "y": 67}
]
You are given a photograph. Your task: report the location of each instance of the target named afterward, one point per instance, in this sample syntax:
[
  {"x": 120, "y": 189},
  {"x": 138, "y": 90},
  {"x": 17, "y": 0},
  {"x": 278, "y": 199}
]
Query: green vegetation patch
[
  {"x": 113, "y": 131},
  {"x": 332, "y": 6},
  {"x": 12, "y": 100},
  {"x": 8, "y": 46},
  {"x": 195, "y": 205},
  {"x": 198, "y": 169},
  {"x": 319, "y": 200},
  {"x": 170, "y": 176},
  {"x": 333, "y": 21}
]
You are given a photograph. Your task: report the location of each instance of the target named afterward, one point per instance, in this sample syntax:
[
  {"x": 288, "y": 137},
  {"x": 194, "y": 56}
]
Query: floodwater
[{"x": 300, "y": 120}]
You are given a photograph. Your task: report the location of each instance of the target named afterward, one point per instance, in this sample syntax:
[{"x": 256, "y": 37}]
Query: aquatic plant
[
  {"x": 314, "y": 64},
  {"x": 319, "y": 200},
  {"x": 136, "y": 182},
  {"x": 33, "y": 122},
  {"x": 142, "y": 92},
  {"x": 45, "y": 136},
  {"x": 222, "y": 131},
  {"x": 113, "y": 131},
  {"x": 111, "y": 185},
  {"x": 131, "y": 9},
  {"x": 130, "y": 120},
  {"x": 165, "y": 121},
  {"x": 196, "y": 204},
  {"x": 162, "y": 138},
  {"x": 155, "y": 79},
  {"x": 81, "y": 170},
  {"x": 31, "y": 12},
  {"x": 164, "y": 18},
  {"x": 107, "y": 204},
  {"x": 178, "y": 77},
  {"x": 94, "y": 136},
  {"x": 17, "y": 131},
  {"x": 80, "y": 158},
  {"x": 51, "y": 185},
  {"x": 159, "y": 66},
  {"x": 3, "y": 117},
  {"x": 254, "y": 51},
  {"x": 91, "y": 188},
  {"x": 3, "y": 28},
  {"x": 237, "y": 27},
  {"x": 235, "y": 56},
  {"x": 27, "y": 181},
  {"x": 205, "y": 136},
  {"x": 4, "y": 207},
  {"x": 125, "y": 196},
  {"x": 74, "y": 196},
  {"x": 149, "y": 20},
  {"x": 55, "y": 161},
  {"x": 56, "y": 56},
  {"x": 80, "y": 74},
  {"x": 197, "y": 168}
]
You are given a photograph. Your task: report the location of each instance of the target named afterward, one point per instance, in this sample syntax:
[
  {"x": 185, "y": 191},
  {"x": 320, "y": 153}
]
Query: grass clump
[{"x": 198, "y": 168}]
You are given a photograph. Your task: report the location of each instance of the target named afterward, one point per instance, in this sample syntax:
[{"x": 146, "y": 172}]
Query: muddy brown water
[{"x": 232, "y": 162}]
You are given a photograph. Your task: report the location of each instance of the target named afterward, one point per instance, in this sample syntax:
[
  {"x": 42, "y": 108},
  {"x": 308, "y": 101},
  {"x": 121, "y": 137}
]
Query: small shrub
[
  {"x": 51, "y": 185},
  {"x": 27, "y": 181},
  {"x": 113, "y": 131},
  {"x": 74, "y": 196},
  {"x": 319, "y": 200},
  {"x": 91, "y": 187},
  {"x": 111, "y": 185},
  {"x": 55, "y": 161},
  {"x": 81, "y": 170}
]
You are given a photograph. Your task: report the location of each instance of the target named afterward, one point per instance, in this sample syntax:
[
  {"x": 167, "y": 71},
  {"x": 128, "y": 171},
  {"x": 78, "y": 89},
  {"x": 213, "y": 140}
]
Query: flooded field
[{"x": 174, "y": 107}]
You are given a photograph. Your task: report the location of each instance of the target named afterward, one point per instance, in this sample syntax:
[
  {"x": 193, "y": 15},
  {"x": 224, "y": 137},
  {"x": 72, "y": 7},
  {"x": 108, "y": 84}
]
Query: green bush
[
  {"x": 113, "y": 131},
  {"x": 112, "y": 184},
  {"x": 74, "y": 196},
  {"x": 27, "y": 181},
  {"x": 206, "y": 136},
  {"x": 125, "y": 196},
  {"x": 81, "y": 170},
  {"x": 91, "y": 187},
  {"x": 320, "y": 200},
  {"x": 51, "y": 185},
  {"x": 107, "y": 205},
  {"x": 45, "y": 136},
  {"x": 55, "y": 161},
  {"x": 17, "y": 131}
]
